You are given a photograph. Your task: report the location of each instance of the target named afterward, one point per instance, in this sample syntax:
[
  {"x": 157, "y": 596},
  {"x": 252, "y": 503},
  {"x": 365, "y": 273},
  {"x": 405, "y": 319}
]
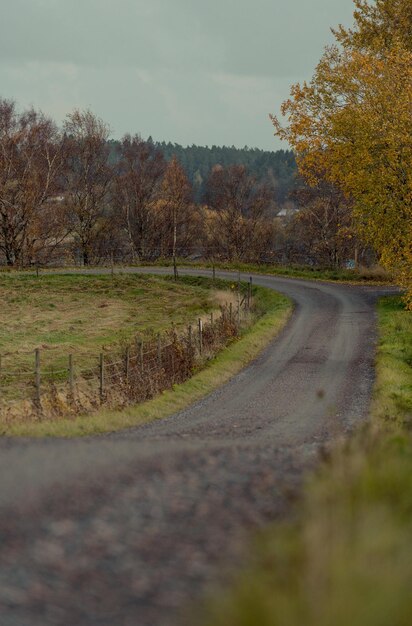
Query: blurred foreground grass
[{"x": 347, "y": 561}]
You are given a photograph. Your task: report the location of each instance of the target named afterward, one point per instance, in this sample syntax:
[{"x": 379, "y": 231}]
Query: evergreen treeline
[{"x": 278, "y": 169}]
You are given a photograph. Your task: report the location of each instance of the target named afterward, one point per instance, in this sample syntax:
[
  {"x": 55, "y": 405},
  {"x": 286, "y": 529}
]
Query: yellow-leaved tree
[{"x": 352, "y": 125}]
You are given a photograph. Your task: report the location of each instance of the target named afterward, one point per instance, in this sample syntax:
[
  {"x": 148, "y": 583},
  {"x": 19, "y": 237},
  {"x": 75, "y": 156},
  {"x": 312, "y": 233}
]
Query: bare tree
[
  {"x": 322, "y": 231},
  {"x": 138, "y": 181},
  {"x": 88, "y": 176},
  {"x": 239, "y": 227},
  {"x": 31, "y": 160},
  {"x": 175, "y": 203}
]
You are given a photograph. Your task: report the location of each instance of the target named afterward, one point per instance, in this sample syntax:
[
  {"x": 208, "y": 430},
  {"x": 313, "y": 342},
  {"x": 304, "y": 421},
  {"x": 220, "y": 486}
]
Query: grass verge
[
  {"x": 348, "y": 560},
  {"x": 274, "y": 309},
  {"x": 373, "y": 275}
]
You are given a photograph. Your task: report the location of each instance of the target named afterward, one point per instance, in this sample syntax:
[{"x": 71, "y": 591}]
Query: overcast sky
[{"x": 191, "y": 71}]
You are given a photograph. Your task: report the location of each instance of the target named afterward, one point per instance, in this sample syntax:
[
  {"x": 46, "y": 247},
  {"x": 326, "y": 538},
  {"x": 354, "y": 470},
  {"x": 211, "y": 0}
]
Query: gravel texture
[{"x": 131, "y": 528}]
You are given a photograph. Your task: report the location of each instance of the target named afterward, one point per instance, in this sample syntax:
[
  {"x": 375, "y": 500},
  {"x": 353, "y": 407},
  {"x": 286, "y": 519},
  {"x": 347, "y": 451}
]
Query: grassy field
[
  {"x": 273, "y": 311},
  {"x": 81, "y": 315},
  {"x": 141, "y": 305},
  {"x": 348, "y": 559}
]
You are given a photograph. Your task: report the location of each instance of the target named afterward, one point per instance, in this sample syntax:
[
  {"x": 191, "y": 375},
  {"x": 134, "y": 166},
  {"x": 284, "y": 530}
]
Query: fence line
[{"x": 145, "y": 367}]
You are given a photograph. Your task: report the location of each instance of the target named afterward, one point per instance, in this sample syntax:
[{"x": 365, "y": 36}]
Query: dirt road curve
[{"x": 128, "y": 529}]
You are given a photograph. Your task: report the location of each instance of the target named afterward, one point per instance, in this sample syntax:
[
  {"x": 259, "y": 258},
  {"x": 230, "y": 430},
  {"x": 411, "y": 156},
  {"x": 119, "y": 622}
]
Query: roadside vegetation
[
  {"x": 372, "y": 275},
  {"x": 160, "y": 298},
  {"x": 348, "y": 557}
]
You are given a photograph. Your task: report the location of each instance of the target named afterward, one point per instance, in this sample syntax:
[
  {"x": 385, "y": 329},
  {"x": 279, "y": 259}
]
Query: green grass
[
  {"x": 348, "y": 558},
  {"x": 373, "y": 275},
  {"x": 82, "y": 314},
  {"x": 393, "y": 393},
  {"x": 274, "y": 310}
]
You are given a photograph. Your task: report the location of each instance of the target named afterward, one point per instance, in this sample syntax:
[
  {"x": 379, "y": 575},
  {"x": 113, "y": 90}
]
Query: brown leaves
[
  {"x": 240, "y": 225},
  {"x": 31, "y": 161}
]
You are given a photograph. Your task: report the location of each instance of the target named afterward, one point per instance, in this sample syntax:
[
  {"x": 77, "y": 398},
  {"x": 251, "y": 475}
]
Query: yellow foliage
[{"x": 353, "y": 126}]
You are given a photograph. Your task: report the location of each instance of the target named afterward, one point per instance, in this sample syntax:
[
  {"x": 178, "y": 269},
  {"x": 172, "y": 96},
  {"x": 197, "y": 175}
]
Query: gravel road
[{"x": 129, "y": 529}]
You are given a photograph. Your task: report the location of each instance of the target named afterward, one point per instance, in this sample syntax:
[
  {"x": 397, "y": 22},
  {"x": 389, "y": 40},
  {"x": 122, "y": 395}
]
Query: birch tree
[
  {"x": 176, "y": 198},
  {"x": 31, "y": 162},
  {"x": 88, "y": 177}
]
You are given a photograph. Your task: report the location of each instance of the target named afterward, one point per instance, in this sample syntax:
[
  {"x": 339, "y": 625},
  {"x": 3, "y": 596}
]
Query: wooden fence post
[
  {"x": 101, "y": 375},
  {"x": 172, "y": 363},
  {"x": 200, "y": 326},
  {"x": 189, "y": 337},
  {"x": 71, "y": 375},
  {"x": 140, "y": 356},
  {"x": 37, "y": 374},
  {"x": 159, "y": 349},
  {"x": 238, "y": 298},
  {"x": 127, "y": 363}
]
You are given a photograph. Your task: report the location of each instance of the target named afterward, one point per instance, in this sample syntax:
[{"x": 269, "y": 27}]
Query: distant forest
[{"x": 276, "y": 168}]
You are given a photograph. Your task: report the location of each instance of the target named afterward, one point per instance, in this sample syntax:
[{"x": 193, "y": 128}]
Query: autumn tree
[
  {"x": 88, "y": 176},
  {"x": 138, "y": 180},
  {"x": 31, "y": 160},
  {"x": 48, "y": 233},
  {"x": 322, "y": 231},
  {"x": 239, "y": 226},
  {"x": 176, "y": 208},
  {"x": 352, "y": 125}
]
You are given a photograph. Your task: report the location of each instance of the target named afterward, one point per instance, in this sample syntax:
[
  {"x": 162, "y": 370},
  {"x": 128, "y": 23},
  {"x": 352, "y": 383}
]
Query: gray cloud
[{"x": 193, "y": 71}]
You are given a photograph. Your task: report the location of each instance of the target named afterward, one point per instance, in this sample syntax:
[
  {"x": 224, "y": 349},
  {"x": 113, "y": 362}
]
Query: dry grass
[
  {"x": 273, "y": 311},
  {"x": 83, "y": 315},
  {"x": 376, "y": 273}
]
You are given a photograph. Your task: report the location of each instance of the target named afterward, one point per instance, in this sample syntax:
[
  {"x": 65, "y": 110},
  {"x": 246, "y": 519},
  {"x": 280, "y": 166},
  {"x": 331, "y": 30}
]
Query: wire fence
[
  {"x": 133, "y": 374},
  {"x": 66, "y": 257}
]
